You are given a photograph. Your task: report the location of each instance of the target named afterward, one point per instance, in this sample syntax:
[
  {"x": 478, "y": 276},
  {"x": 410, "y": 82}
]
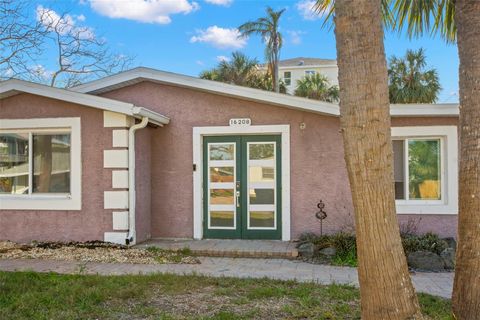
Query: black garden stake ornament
[{"x": 321, "y": 215}]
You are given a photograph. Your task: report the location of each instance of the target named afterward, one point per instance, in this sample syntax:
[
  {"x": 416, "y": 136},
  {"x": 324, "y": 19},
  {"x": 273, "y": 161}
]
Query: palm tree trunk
[
  {"x": 385, "y": 286},
  {"x": 466, "y": 289},
  {"x": 276, "y": 81}
]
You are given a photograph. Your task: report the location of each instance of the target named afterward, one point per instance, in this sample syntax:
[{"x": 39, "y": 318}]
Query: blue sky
[{"x": 186, "y": 36}]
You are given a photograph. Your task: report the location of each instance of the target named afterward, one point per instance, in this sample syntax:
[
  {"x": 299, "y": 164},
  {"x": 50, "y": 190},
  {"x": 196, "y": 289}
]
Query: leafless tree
[
  {"x": 20, "y": 39},
  {"x": 80, "y": 54},
  {"x": 73, "y": 53}
]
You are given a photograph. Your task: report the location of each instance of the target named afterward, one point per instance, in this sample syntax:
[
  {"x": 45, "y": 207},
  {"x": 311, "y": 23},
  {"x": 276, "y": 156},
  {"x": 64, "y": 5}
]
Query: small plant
[{"x": 427, "y": 242}]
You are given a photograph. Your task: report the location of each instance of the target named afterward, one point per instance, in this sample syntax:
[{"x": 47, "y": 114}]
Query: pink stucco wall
[
  {"x": 92, "y": 221},
  {"x": 317, "y": 164},
  {"x": 164, "y": 166},
  {"x": 143, "y": 183}
]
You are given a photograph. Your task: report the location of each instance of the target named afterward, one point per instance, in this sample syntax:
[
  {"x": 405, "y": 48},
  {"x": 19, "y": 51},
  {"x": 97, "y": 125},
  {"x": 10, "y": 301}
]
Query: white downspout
[{"x": 131, "y": 237}]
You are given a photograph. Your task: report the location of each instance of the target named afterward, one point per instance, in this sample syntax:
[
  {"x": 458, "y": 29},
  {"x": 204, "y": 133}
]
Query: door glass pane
[
  {"x": 221, "y": 174},
  {"x": 261, "y": 151},
  {"x": 14, "y": 163},
  {"x": 222, "y": 151},
  {"x": 221, "y": 196},
  {"x": 51, "y": 163},
  {"x": 262, "y": 196},
  {"x": 222, "y": 219},
  {"x": 261, "y": 174},
  {"x": 399, "y": 168},
  {"x": 424, "y": 169},
  {"x": 262, "y": 219}
]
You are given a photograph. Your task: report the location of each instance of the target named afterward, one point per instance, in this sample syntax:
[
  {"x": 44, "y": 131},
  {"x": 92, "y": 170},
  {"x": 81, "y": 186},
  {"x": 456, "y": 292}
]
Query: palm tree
[
  {"x": 466, "y": 288},
  {"x": 454, "y": 20},
  {"x": 316, "y": 87},
  {"x": 237, "y": 70},
  {"x": 268, "y": 28},
  {"x": 409, "y": 82},
  {"x": 418, "y": 16},
  {"x": 385, "y": 286},
  {"x": 241, "y": 70}
]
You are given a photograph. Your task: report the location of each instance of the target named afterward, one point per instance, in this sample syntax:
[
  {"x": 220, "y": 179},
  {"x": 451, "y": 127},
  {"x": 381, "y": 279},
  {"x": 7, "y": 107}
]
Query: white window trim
[
  {"x": 71, "y": 201},
  {"x": 449, "y": 163},
  {"x": 200, "y": 132}
]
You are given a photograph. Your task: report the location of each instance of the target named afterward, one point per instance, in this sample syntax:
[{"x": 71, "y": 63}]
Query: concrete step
[{"x": 267, "y": 249}]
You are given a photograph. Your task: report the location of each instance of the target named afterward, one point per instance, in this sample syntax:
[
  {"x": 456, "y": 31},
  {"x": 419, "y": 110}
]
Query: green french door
[{"x": 242, "y": 187}]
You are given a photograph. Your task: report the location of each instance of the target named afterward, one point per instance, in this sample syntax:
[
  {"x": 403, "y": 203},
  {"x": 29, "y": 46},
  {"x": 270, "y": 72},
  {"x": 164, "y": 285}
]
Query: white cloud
[
  {"x": 148, "y": 11},
  {"x": 306, "y": 10},
  {"x": 64, "y": 24},
  {"x": 200, "y": 62},
  {"x": 295, "y": 36},
  {"x": 225, "y": 3},
  {"x": 223, "y": 58},
  {"x": 223, "y": 38}
]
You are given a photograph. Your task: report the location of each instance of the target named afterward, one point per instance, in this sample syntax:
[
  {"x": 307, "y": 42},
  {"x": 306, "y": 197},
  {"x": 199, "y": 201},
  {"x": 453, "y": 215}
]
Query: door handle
[{"x": 237, "y": 194}]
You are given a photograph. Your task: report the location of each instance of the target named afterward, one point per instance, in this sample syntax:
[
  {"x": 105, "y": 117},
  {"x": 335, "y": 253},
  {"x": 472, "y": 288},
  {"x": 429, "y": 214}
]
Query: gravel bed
[{"x": 92, "y": 252}]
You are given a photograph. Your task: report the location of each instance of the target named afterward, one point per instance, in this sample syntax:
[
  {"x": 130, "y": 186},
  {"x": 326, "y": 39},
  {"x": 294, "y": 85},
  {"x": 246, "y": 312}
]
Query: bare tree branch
[{"x": 20, "y": 39}]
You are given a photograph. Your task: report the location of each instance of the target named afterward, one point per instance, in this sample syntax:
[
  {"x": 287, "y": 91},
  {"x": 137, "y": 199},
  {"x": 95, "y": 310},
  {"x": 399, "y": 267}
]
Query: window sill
[
  {"x": 40, "y": 202},
  {"x": 425, "y": 208}
]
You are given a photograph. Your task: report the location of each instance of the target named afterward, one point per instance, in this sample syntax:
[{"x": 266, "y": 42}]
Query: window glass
[
  {"x": 287, "y": 77},
  {"x": 222, "y": 151},
  {"x": 14, "y": 163},
  {"x": 309, "y": 72},
  {"x": 399, "y": 168},
  {"x": 262, "y": 219},
  {"x": 262, "y": 196},
  {"x": 222, "y": 219},
  {"x": 221, "y": 196},
  {"x": 261, "y": 174},
  {"x": 221, "y": 174},
  {"x": 424, "y": 169},
  {"x": 51, "y": 163},
  {"x": 261, "y": 151}
]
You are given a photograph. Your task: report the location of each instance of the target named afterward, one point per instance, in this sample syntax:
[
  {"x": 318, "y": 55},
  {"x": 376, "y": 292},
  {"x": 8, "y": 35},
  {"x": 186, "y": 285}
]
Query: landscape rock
[
  {"x": 425, "y": 260},
  {"x": 328, "y": 252},
  {"x": 306, "y": 249},
  {"x": 448, "y": 256},
  {"x": 451, "y": 242}
]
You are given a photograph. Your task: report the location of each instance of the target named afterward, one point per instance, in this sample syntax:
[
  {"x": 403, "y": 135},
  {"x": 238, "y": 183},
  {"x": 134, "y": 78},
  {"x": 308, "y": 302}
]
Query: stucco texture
[
  {"x": 318, "y": 170},
  {"x": 92, "y": 220}
]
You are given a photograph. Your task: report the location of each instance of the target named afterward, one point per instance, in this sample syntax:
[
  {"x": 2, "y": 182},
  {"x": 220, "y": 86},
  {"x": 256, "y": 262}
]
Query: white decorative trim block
[
  {"x": 115, "y": 237},
  {"x": 120, "y": 179},
  {"x": 115, "y": 158},
  {"x": 115, "y": 199},
  {"x": 115, "y": 120},
  {"x": 120, "y": 220},
  {"x": 120, "y": 138}
]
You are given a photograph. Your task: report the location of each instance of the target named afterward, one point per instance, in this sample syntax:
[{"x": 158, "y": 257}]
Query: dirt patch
[
  {"x": 205, "y": 303},
  {"x": 95, "y": 251}
]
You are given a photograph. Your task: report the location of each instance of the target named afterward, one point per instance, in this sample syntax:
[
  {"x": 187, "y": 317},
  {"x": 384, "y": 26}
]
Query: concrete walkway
[{"x": 439, "y": 284}]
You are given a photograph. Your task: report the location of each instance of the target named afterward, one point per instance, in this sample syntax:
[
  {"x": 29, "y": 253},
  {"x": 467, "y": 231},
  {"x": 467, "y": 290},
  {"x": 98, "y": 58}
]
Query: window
[
  {"x": 40, "y": 164},
  {"x": 287, "y": 77},
  {"x": 417, "y": 169},
  {"x": 310, "y": 72},
  {"x": 425, "y": 169}
]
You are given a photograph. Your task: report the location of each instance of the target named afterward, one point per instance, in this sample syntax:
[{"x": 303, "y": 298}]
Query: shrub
[
  {"x": 427, "y": 242},
  {"x": 345, "y": 244}
]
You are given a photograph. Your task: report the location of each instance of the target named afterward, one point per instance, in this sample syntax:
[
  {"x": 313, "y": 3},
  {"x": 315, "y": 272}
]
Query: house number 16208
[{"x": 240, "y": 122}]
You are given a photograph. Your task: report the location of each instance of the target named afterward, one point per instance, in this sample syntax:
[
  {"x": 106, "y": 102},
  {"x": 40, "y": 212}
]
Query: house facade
[
  {"x": 292, "y": 70},
  {"x": 150, "y": 154}
]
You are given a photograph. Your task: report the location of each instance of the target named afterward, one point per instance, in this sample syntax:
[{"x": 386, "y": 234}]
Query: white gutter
[{"x": 131, "y": 237}]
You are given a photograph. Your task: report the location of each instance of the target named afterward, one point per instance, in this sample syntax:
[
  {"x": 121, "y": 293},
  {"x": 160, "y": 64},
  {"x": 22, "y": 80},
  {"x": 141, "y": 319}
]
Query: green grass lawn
[{"x": 25, "y": 295}]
